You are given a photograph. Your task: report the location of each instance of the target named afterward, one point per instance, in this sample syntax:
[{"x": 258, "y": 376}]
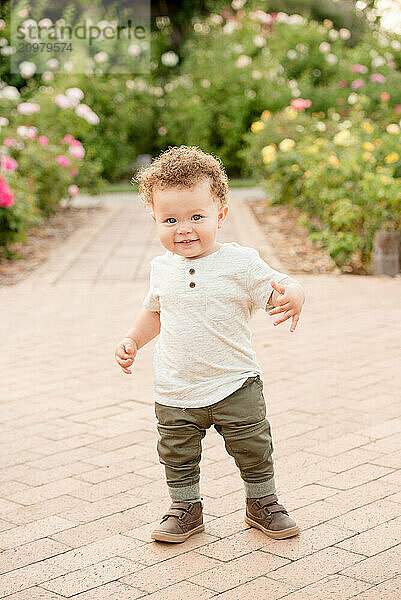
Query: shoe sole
[
  {"x": 162, "y": 536},
  {"x": 277, "y": 535}
]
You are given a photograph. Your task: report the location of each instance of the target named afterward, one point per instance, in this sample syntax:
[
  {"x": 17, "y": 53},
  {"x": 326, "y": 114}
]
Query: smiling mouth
[{"x": 189, "y": 242}]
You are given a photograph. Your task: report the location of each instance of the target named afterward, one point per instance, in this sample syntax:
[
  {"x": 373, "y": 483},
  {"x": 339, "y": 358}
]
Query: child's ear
[{"x": 222, "y": 215}]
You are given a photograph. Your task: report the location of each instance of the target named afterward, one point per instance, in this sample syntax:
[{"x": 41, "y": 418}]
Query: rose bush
[{"x": 343, "y": 174}]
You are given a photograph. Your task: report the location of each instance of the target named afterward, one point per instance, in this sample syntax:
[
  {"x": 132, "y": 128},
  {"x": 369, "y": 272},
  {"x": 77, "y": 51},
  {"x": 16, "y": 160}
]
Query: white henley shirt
[{"x": 204, "y": 351}]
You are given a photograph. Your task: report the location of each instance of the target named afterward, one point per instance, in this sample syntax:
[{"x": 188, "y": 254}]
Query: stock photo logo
[{"x": 75, "y": 37}]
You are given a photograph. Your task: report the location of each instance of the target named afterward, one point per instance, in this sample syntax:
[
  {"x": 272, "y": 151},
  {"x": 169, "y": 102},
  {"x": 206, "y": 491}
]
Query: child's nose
[{"x": 185, "y": 227}]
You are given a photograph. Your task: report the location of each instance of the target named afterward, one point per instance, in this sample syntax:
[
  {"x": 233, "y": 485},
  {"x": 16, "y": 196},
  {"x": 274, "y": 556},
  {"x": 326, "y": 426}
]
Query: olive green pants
[{"x": 240, "y": 418}]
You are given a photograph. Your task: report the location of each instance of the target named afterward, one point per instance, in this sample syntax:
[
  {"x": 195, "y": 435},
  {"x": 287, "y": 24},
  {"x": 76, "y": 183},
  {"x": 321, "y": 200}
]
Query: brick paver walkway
[{"x": 81, "y": 487}]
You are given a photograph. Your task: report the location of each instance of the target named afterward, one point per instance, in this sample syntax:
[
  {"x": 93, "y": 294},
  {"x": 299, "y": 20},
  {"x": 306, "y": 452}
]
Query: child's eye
[{"x": 167, "y": 220}]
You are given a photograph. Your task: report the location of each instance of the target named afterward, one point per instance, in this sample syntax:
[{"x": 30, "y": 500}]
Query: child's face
[{"x": 188, "y": 214}]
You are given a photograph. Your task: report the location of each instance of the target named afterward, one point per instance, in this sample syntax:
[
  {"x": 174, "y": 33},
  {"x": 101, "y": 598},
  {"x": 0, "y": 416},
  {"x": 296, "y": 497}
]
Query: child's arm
[
  {"x": 146, "y": 327},
  {"x": 287, "y": 297}
]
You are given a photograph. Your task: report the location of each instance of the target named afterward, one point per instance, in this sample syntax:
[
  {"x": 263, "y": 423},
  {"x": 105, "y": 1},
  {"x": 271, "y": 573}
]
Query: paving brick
[
  {"x": 27, "y": 514},
  {"x": 115, "y": 590},
  {"x": 11, "y": 538},
  {"x": 181, "y": 591},
  {"x": 236, "y": 545},
  {"x": 35, "y": 593},
  {"x": 330, "y": 588},
  {"x": 15, "y": 558},
  {"x": 355, "y": 477},
  {"x": 388, "y": 590},
  {"x": 170, "y": 571},
  {"x": 96, "y": 530},
  {"x": 368, "y": 516},
  {"x": 311, "y": 569},
  {"x": 238, "y": 571},
  {"x": 309, "y": 541},
  {"x": 374, "y": 540},
  {"x": 91, "y": 577},
  {"x": 154, "y": 552},
  {"x": 261, "y": 587},
  {"x": 377, "y": 568}
]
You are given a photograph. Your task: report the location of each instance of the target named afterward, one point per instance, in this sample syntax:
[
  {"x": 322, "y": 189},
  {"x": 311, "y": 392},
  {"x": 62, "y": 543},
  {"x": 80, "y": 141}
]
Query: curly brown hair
[{"x": 181, "y": 167}]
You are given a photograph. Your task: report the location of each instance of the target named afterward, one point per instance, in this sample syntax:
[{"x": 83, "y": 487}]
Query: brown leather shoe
[
  {"x": 180, "y": 521},
  {"x": 270, "y": 517}
]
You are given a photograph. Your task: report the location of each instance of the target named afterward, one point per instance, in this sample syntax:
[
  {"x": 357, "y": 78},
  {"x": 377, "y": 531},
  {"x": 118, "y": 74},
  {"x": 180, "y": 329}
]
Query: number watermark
[{"x": 109, "y": 37}]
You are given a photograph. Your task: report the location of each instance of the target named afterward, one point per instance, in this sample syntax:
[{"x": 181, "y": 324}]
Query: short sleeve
[
  {"x": 258, "y": 281},
  {"x": 152, "y": 301}
]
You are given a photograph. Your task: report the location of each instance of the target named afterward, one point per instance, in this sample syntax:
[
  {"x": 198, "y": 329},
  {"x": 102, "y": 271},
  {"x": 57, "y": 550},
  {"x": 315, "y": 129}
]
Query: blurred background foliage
[{"x": 258, "y": 83}]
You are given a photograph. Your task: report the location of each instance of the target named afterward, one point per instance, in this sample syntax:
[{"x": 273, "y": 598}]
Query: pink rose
[
  {"x": 377, "y": 78},
  {"x": 43, "y": 140},
  {"x": 9, "y": 141},
  {"x": 397, "y": 108},
  {"x": 357, "y": 83},
  {"x": 300, "y": 103},
  {"x": 6, "y": 196},
  {"x": 359, "y": 69},
  {"x": 73, "y": 190},
  {"x": 342, "y": 84},
  {"x": 67, "y": 139},
  {"x": 73, "y": 172},
  {"x": 385, "y": 96},
  {"x": 8, "y": 163},
  {"x": 28, "y": 108},
  {"x": 62, "y": 160},
  {"x": 77, "y": 151}
]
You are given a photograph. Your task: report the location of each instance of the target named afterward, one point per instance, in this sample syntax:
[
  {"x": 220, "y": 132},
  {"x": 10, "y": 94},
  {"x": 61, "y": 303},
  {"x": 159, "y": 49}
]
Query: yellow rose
[
  {"x": 290, "y": 112},
  {"x": 265, "y": 115},
  {"x": 378, "y": 142},
  {"x": 367, "y": 155},
  {"x": 379, "y": 169},
  {"x": 286, "y": 144},
  {"x": 367, "y": 127},
  {"x": 269, "y": 153},
  {"x": 392, "y": 157},
  {"x": 385, "y": 179},
  {"x": 257, "y": 126},
  {"x": 333, "y": 160},
  {"x": 393, "y": 128},
  {"x": 295, "y": 168},
  {"x": 368, "y": 146},
  {"x": 340, "y": 234},
  {"x": 342, "y": 138},
  {"x": 307, "y": 174}
]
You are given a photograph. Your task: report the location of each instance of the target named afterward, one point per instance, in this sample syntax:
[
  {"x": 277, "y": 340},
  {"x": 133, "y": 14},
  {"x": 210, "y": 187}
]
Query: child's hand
[
  {"x": 125, "y": 353},
  {"x": 290, "y": 299}
]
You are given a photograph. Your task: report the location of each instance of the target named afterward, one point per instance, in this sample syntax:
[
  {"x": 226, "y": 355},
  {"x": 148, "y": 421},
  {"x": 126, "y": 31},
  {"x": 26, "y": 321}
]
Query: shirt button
[
  {"x": 191, "y": 271},
  {"x": 192, "y": 284}
]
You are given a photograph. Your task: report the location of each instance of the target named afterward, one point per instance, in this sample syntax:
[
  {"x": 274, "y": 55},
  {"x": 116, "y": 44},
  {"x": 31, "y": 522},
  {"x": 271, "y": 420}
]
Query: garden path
[{"x": 81, "y": 486}]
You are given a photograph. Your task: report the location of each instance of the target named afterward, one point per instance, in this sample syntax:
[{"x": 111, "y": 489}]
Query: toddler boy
[{"x": 201, "y": 296}]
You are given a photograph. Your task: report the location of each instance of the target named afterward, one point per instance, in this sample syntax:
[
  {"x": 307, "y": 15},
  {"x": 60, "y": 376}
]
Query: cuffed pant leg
[
  {"x": 251, "y": 447},
  {"x": 241, "y": 420},
  {"x": 179, "y": 448}
]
